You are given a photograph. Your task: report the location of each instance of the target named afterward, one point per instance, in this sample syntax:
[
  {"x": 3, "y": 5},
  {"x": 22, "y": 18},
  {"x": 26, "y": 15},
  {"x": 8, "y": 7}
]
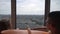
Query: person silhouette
[
  {"x": 53, "y": 22},
  {"x": 4, "y": 25}
]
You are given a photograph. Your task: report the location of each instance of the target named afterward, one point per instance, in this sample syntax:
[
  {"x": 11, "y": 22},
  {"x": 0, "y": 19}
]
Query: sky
[{"x": 28, "y": 7}]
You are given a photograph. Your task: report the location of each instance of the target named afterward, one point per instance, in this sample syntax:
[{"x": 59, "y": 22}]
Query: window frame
[
  {"x": 47, "y": 10},
  {"x": 13, "y": 12}
]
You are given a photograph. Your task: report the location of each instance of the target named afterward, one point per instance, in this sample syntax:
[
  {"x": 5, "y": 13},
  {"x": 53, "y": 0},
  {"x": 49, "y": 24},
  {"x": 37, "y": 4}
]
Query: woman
[{"x": 53, "y": 22}]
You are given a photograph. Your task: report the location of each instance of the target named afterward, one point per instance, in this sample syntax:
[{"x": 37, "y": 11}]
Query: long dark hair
[
  {"x": 4, "y": 25},
  {"x": 55, "y": 16}
]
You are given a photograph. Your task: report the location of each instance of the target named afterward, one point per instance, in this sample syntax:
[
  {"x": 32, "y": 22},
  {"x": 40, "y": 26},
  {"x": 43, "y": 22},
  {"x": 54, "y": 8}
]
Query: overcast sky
[{"x": 28, "y": 7}]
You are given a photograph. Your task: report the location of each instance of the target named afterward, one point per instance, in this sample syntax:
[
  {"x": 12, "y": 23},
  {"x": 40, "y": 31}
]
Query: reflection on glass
[
  {"x": 55, "y": 5},
  {"x": 31, "y": 13},
  {"x": 5, "y": 9}
]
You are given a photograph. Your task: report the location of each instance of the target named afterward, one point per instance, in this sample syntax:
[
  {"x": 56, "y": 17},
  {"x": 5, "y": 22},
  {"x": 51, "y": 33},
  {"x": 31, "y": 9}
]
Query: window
[
  {"x": 31, "y": 13},
  {"x": 5, "y": 9},
  {"x": 55, "y": 5},
  {"x": 29, "y": 8}
]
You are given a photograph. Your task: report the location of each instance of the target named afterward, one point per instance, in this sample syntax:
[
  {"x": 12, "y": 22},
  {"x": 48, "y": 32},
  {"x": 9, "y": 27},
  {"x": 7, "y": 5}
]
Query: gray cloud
[
  {"x": 55, "y": 5},
  {"x": 5, "y": 0},
  {"x": 31, "y": 7},
  {"x": 5, "y": 7},
  {"x": 36, "y": 7}
]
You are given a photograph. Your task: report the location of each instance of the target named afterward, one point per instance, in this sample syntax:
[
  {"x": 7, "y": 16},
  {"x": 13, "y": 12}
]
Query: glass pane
[
  {"x": 55, "y": 5},
  {"x": 31, "y": 13},
  {"x": 5, "y": 9}
]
